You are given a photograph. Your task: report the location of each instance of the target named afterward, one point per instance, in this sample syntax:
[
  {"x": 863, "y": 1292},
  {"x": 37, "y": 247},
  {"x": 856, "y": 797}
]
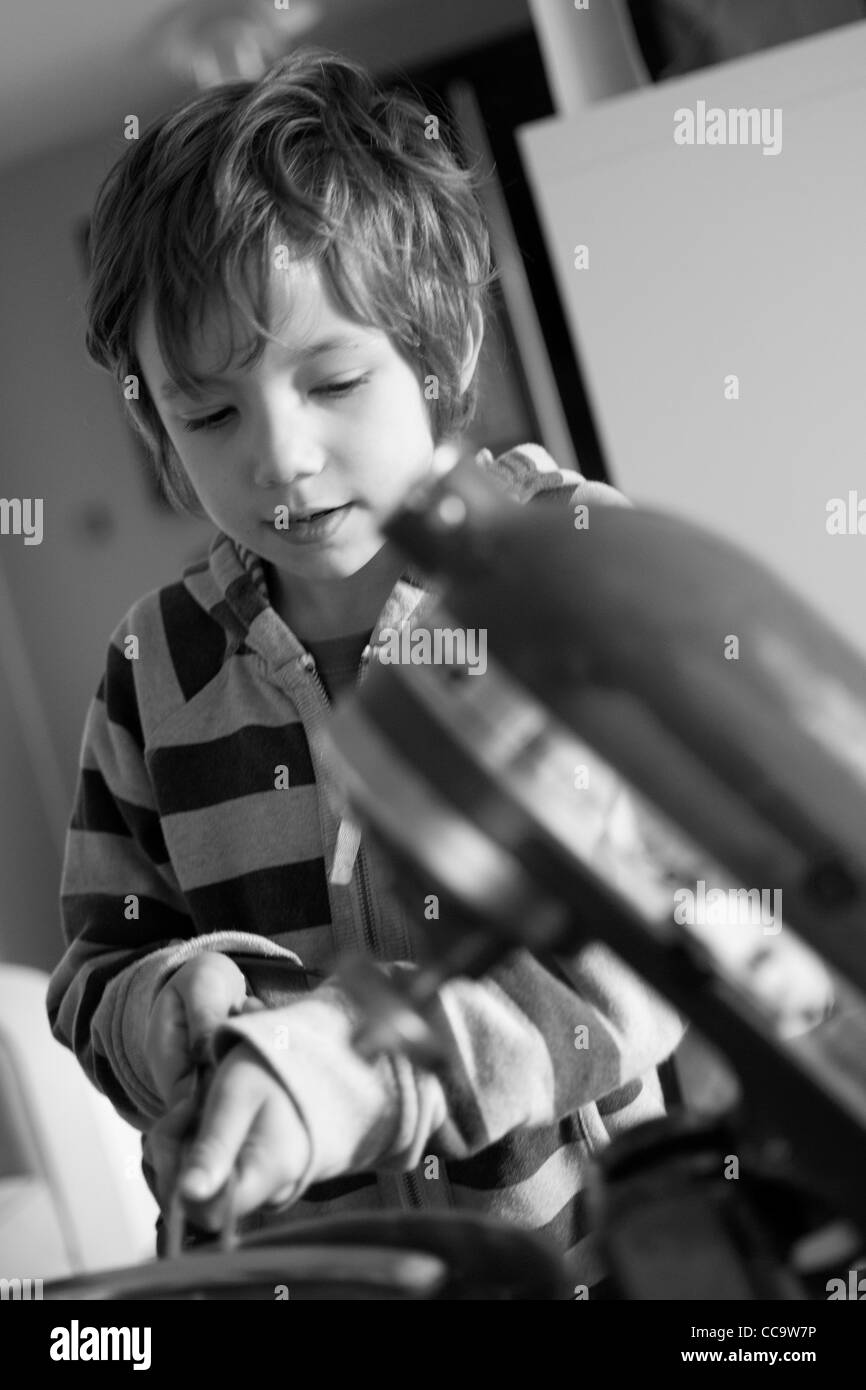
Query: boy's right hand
[{"x": 191, "y": 1005}]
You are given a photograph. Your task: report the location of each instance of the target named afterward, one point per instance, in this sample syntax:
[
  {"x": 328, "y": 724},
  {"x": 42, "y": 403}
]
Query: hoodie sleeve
[
  {"x": 125, "y": 920},
  {"x": 525, "y": 1047}
]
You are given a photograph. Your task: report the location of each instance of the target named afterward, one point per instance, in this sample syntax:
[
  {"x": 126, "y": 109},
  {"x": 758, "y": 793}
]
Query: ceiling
[{"x": 72, "y": 69}]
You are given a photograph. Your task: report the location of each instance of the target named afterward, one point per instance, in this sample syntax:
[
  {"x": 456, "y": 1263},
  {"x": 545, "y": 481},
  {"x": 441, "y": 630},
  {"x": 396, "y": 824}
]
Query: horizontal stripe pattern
[
  {"x": 195, "y": 662},
  {"x": 290, "y": 898},
  {"x": 112, "y": 867},
  {"x": 337, "y": 1188},
  {"x": 111, "y": 751},
  {"x": 620, "y": 1098},
  {"x": 97, "y": 811},
  {"x": 516, "y": 1157},
  {"x": 118, "y": 692},
  {"x": 91, "y": 922},
  {"x": 537, "y": 1202},
  {"x": 278, "y": 828},
  {"x": 197, "y": 775},
  {"x": 178, "y": 807}
]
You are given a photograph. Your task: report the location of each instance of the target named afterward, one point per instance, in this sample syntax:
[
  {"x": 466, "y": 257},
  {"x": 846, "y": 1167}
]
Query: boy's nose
[{"x": 281, "y": 460}]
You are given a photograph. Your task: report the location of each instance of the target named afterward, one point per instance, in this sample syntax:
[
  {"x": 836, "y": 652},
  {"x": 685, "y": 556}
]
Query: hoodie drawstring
[{"x": 345, "y": 851}]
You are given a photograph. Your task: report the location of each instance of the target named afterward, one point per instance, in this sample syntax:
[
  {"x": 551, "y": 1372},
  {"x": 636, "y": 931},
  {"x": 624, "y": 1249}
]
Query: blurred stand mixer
[
  {"x": 660, "y": 657},
  {"x": 627, "y": 656}
]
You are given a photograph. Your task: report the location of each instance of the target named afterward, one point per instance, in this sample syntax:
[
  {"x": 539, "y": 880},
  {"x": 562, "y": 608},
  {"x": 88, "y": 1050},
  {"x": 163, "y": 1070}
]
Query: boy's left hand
[{"x": 250, "y": 1124}]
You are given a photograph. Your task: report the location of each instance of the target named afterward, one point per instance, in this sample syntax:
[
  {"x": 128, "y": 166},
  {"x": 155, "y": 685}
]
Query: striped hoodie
[{"x": 184, "y": 837}]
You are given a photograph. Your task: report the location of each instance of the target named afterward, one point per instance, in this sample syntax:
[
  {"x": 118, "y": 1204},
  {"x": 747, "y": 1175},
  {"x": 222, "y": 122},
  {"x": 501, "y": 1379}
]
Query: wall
[
  {"x": 64, "y": 440},
  {"x": 29, "y": 857},
  {"x": 711, "y": 260}
]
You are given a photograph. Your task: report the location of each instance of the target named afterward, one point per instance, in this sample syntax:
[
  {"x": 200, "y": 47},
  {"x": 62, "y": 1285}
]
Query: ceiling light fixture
[{"x": 212, "y": 41}]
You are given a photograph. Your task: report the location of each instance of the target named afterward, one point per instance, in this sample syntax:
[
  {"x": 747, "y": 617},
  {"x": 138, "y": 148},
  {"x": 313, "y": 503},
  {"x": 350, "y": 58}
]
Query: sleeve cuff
[
  {"x": 350, "y": 1108},
  {"x": 130, "y": 997}
]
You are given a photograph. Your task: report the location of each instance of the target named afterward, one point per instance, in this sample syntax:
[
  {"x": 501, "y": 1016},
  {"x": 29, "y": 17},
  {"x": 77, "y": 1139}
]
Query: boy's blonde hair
[{"x": 315, "y": 157}]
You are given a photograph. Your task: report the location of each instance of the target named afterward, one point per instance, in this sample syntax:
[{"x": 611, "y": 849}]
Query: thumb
[
  {"x": 228, "y": 1113},
  {"x": 215, "y": 992}
]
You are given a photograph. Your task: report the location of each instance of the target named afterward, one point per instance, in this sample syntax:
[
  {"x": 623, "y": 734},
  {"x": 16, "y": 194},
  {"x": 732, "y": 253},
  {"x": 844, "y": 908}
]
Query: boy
[{"x": 295, "y": 274}]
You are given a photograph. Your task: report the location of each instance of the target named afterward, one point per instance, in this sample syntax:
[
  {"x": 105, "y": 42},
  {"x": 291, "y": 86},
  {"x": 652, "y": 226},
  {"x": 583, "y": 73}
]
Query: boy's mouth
[
  {"x": 302, "y": 517},
  {"x": 315, "y": 525}
]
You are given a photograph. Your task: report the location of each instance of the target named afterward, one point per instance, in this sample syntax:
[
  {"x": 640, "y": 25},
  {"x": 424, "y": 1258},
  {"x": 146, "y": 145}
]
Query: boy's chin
[{"x": 326, "y": 562}]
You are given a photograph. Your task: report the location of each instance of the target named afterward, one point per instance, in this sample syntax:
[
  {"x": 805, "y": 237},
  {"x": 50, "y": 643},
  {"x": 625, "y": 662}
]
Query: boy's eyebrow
[{"x": 170, "y": 390}]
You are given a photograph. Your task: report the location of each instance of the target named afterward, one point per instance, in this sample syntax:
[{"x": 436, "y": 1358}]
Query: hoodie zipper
[
  {"x": 413, "y": 1190},
  {"x": 410, "y": 1181},
  {"x": 309, "y": 664},
  {"x": 363, "y": 880}
]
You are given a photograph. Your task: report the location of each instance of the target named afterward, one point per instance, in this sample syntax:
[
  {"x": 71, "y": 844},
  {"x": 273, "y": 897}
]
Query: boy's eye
[
  {"x": 208, "y": 422},
  {"x": 337, "y": 388},
  {"x": 341, "y": 388}
]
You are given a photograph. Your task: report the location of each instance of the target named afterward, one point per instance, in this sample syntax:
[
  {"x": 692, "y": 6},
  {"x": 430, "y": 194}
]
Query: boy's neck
[{"x": 324, "y": 608}]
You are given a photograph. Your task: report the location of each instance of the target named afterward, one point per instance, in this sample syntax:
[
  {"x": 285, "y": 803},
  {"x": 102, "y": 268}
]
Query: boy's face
[{"x": 344, "y": 430}]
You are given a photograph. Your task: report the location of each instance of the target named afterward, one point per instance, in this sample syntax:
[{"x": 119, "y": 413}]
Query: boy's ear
[{"x": 475, "y": 338}]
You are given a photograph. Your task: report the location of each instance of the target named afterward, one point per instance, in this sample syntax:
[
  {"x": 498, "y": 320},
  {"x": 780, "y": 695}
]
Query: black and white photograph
[{"x": 433, "y": 676}]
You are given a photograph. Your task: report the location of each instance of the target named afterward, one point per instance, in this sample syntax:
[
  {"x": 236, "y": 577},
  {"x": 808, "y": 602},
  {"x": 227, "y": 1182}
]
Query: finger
[
  {"x": 167, "y": 1044},
  {"x": 230, "y": 1108},
  {"x": 214, "y": 992},
  {"x": 268, "y": 1155},
  {"x": 270, "y": 1164},
  {"x": 219, "y": 1213},
  {"x": 184, "y": 1087},
  {"x": 166, "y": 1141}
]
